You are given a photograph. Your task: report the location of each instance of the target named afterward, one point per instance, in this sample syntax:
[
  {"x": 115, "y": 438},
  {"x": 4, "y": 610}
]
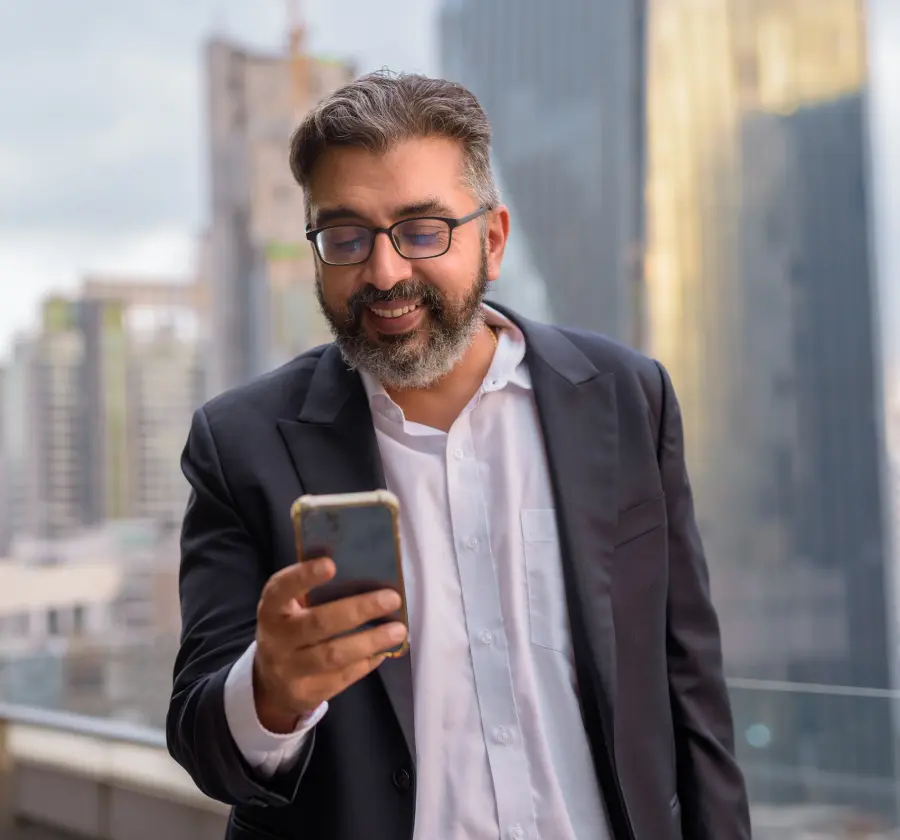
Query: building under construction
[{"x": 256, "y": 264}]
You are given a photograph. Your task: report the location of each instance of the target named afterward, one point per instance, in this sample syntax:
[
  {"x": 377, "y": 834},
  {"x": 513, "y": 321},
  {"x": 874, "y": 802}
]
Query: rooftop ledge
[{"x": 92, "y": 777}]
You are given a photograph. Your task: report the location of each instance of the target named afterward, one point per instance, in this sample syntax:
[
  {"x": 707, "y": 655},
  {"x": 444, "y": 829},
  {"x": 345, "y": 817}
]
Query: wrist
[
  {"x": 272, "y": 716},
  {"x": 277, "y": 721}
]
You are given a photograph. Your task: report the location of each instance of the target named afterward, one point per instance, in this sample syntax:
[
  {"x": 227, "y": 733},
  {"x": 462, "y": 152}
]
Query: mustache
[{"x": 404, "y": 290}]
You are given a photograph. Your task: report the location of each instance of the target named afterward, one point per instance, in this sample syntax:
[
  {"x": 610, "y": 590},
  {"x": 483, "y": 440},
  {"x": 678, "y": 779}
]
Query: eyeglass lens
[{"x": 414, "y": 239}]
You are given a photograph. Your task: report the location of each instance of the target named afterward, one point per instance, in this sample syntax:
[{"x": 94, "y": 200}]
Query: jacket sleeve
[
  {"x": 711, "y": 787},
  {"x": 221, "y": 578},
  {"x": 266, "y": 752}
]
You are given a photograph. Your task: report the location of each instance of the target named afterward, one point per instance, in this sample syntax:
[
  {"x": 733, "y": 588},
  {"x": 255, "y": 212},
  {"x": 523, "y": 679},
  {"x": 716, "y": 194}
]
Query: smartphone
[{"x": 360, "y": 532}]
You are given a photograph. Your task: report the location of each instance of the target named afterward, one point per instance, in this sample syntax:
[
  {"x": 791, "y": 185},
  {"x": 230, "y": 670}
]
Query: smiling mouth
[{"x": 394, "y": 313}]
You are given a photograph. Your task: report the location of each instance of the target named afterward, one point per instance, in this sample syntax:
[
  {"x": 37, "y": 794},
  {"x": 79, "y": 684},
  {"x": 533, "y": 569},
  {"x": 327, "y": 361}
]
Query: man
[{"x": 564, "y": 680}]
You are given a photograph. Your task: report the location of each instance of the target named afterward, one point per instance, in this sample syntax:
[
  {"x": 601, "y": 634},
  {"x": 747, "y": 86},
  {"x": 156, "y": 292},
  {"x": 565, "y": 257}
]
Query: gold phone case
[{"x": 366, "y": 499}]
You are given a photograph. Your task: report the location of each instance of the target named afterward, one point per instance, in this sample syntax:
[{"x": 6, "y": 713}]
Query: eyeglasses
[{"x": 413, "y": 239}]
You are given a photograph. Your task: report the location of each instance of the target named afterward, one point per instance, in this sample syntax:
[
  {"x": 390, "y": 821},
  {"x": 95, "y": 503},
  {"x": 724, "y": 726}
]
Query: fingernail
[
  {"x": 396, "y": 632},
  {"x": 388, "y": 600}
]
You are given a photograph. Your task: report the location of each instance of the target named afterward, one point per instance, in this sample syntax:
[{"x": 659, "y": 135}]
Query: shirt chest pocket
[{"x": 547, "y": 613}]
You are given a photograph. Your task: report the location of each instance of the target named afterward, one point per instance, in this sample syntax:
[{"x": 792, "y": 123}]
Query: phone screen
[{"x": 360, "y": 540}]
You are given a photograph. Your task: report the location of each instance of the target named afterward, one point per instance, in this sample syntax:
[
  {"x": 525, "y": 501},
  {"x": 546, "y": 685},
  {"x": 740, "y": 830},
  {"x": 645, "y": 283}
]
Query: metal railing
[
  {"x": 820, "y": 760},
  {"x": 95, "y": 778}
]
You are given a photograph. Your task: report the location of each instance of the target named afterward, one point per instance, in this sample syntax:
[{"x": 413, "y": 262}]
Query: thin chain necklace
[{"x": 494, "y": 336}]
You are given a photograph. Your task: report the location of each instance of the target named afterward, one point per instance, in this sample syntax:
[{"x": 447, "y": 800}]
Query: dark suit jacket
[{"x": 645, "y": 635}]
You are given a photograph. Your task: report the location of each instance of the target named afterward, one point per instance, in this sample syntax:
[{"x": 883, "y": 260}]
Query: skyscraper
[
  {"x": 164, "y": 391},
  {"x": 96, "y": 405},
  {"x": 106, "y": 413},
  {"x": 56, "y": 470},
  {"x": 562, "y": 84},
  {"x": 761, "y": 301},
  {"x": 259, "y": 265}
]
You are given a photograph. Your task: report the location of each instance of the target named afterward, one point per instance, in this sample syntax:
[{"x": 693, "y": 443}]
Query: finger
[
  {"x": 294, "y": 582},
  {"x": 323, "y": 622},
  {"x": 354, "y": 673},
  {"x": 336, "y": 655},
  {"x": 309, "y": 692}
]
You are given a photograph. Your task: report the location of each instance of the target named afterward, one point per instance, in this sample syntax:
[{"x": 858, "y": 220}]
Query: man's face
[{"x": 406, "y": 321}]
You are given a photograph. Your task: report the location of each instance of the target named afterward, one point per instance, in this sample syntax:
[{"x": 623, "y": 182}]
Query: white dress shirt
[{"x": 502, "y": 751}]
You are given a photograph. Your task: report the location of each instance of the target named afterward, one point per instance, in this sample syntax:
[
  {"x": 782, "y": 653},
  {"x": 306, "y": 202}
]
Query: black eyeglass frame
[{"x": 452, "y": 224}]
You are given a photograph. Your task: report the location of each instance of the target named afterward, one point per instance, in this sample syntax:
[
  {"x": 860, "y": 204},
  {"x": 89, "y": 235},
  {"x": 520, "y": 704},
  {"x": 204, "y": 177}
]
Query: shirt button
[
  {"x": 472, "y": 543},
  {"x": 402, "y": 780},
  {"x": 502, "y": 735},
  {"x": 459, "y": 454},
  {"x": 486, "y": 638},
  {"x": 516, "y": 832}
]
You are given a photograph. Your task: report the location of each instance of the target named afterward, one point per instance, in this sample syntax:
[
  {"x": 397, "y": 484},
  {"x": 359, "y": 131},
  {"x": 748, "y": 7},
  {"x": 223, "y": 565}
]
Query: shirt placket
[{"x": 487, "y": 638}]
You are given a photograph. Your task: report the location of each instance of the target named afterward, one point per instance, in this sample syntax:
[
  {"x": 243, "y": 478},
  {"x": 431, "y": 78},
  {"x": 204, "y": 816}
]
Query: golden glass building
[{"x": 761, "y": 302}]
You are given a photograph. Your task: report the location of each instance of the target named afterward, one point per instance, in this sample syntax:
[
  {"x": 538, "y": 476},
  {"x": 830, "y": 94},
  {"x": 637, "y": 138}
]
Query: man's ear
[{"x": 495, "y": 236}]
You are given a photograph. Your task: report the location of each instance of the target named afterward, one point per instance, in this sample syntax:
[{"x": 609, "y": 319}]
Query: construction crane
[{"x": 299, "y": 60}]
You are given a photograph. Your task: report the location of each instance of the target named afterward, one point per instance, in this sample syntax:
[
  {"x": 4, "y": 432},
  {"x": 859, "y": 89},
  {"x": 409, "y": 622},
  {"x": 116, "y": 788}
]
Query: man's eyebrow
[
  {"x": 345, "y": 213},
  {"x": 427, "y": 207},
  {"x": 340, "y": 213}
]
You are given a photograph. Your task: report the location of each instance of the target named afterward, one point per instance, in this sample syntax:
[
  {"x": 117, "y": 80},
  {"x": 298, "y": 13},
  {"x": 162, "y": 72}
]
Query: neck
[{"x": 441, "y": 403}]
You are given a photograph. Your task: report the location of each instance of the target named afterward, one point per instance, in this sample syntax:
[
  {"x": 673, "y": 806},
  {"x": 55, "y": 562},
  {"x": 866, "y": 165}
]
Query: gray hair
[{"x": 378, "y": 110}]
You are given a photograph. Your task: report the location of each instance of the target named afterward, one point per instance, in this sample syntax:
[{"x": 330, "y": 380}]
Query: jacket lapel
[
  {"x": 333, "y": 447},
  {"x": 332, "y": 444},
  {"x": 577, "y": 408}
]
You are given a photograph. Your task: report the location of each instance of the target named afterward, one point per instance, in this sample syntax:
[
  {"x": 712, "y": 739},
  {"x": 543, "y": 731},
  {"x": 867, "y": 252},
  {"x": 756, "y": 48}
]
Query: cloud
[
  {"x": 102, "y": 158},
  {"x": 99, "y": 129},
  {"x": 103, "y": 118}
]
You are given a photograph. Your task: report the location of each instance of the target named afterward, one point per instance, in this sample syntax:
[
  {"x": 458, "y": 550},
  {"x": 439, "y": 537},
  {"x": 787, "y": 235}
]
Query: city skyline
[
  {"x": 731, "y": 217},
  {"x": 137, "y": 200},
  {"x": 56, "y": 227}
]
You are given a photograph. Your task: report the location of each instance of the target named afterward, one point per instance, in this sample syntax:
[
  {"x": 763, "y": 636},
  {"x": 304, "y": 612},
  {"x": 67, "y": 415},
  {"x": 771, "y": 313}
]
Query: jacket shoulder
[
  {"x": 632, "y": 368},
  {"x": 279, "y": 393}
]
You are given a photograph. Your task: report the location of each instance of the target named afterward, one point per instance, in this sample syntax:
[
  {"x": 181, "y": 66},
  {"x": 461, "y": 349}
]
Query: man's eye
[
  {"x": 420, "y": 237},
  {"x": 349, "y": 245}
]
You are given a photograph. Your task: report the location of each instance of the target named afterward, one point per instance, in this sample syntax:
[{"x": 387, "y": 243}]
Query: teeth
[{"x": 393, "y": 313}]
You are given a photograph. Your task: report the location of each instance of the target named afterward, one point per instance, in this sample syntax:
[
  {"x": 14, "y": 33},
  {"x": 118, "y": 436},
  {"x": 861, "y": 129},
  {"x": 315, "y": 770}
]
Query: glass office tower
[
  {"x": 563, "y": 85},
  {"x": 762, "y": 303}
]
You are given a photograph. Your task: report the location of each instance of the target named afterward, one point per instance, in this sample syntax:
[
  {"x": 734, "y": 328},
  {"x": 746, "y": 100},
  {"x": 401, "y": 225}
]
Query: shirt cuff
[{"x": 260, "y": 748}]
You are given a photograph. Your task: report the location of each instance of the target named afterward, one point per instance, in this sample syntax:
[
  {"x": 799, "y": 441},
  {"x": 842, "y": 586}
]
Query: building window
[{"x": 78, "y": 619}]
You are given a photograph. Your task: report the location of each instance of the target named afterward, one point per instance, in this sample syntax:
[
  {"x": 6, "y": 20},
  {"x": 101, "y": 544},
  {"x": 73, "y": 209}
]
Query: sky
[{"x": 102, "y": 165}]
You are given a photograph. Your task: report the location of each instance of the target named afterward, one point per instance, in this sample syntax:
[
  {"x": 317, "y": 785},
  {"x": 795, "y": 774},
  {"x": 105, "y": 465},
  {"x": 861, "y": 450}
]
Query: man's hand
[{"x": 299, "y": 663}]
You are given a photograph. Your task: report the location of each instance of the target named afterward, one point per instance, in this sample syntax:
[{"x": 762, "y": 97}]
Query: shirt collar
[{"x": 507, "y": 368}]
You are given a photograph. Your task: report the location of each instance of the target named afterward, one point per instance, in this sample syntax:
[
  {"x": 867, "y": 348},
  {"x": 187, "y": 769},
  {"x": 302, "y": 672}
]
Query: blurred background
[{"x": 716, "y": 182}]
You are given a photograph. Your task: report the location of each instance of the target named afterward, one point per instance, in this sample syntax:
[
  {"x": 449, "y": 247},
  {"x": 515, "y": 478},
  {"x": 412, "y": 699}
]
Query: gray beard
[
  {"x": 405, "y": 366},
  {"x": 406, "y": 363}
]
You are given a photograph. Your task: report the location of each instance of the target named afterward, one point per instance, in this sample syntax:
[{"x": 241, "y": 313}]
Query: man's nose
[{"x": 385, "y": 266}]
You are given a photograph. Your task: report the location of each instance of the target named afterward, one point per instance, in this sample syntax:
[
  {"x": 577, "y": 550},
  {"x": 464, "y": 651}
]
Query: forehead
[{"x": 408, "y": 172}]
